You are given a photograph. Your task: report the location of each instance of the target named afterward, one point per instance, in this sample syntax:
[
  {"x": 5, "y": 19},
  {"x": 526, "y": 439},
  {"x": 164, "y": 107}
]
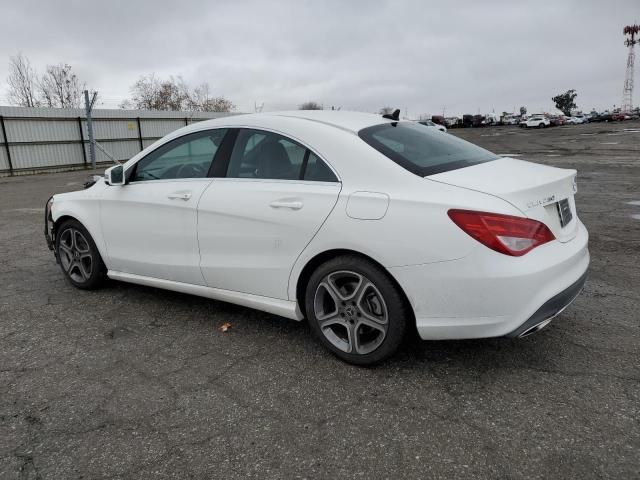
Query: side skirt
[{"x": 284, "y": 308}]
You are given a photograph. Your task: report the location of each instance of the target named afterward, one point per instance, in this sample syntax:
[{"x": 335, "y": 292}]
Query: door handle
[
  {"x": 291, "y": 204},
  {"x": 179, "y": 196}
]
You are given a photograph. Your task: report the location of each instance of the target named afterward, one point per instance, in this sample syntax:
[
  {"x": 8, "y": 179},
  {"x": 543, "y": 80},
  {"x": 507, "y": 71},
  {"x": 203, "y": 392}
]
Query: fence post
[
  {"x": 6, "y": 145},
  {"x": 140, "y": 134},
  {"x": 186, "y": 121},
  {"x": 84, "y": 152},
  {"x": 88, "y": 106}
]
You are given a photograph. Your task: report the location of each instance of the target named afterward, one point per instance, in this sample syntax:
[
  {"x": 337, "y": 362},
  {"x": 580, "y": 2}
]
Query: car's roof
[{"x": 344, "y": 120}]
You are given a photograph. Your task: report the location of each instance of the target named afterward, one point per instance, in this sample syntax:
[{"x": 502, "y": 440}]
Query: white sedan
[
  {"x": 537, "y": 122},
  {"x": 367, "y": 227},
  {"x": 430, "y": 124}
]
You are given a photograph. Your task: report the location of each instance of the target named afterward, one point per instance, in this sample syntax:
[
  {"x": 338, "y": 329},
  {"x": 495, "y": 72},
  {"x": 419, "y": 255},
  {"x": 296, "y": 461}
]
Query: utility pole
[
  {"x": 630, "y": 33},
  {"x": 88, "y": 106}
]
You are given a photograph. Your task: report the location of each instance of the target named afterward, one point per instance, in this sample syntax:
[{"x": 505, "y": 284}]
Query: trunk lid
[{"x": 538, "y": 191}]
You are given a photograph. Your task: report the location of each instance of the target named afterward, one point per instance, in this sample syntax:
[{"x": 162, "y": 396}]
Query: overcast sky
[{"x": 424, "y": 56}]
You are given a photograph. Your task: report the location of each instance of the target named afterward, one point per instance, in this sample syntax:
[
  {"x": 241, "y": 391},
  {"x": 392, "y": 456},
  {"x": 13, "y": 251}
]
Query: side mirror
[{"x": 114, "y": 175}]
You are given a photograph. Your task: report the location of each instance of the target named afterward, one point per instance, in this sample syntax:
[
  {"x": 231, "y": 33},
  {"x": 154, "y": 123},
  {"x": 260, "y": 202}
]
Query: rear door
[
  {"x": 150, "y": 223},
  {"x": 255, "y": 221}
]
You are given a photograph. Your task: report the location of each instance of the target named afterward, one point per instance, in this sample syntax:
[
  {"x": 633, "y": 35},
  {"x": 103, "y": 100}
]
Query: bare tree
[
  {"x": 144, "y": 94},
  {"x": 151, "y": 93},
  {"x": 60, "y": 87},
  {"x": 170, "y": 96},
  {"x": 200, "y": 99},
  {"x": 310, "y": 106},
  {"x": 22, "y": 82}
]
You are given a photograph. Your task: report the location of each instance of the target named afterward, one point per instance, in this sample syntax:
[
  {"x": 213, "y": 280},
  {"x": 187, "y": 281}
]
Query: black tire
[
  {"x": 375, "y": 298},
  {"x": 78, "y": 256}
]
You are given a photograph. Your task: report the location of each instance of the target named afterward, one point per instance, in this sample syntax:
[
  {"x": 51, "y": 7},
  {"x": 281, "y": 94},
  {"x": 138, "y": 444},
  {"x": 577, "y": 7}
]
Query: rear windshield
[{"x": 421, "y": 150}]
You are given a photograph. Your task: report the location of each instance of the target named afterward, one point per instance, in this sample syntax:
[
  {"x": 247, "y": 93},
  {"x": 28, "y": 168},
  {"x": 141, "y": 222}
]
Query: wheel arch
[
  {"x": 60, "y": 220},
  {"x": 91, "y": 227},
  {"x": 322, "y": 257}
]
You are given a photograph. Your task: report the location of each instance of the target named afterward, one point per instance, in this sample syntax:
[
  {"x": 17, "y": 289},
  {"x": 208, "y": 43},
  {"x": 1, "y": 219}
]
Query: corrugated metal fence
[{"x": 36, "y": 139}]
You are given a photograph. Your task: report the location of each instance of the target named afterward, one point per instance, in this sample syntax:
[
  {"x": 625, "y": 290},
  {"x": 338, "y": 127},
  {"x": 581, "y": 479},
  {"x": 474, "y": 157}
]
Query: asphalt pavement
[{"x": 135, "y": 382}]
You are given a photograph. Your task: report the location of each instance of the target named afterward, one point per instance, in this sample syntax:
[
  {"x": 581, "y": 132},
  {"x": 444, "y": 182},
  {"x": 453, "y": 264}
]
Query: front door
[{"x": 150, "y": 224}]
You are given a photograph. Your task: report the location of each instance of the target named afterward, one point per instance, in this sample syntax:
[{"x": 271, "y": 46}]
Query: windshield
[{"x": 423, "y": 151}]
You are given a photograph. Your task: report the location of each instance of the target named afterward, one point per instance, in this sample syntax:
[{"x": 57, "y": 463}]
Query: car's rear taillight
[{"x": 503, "y": 233}]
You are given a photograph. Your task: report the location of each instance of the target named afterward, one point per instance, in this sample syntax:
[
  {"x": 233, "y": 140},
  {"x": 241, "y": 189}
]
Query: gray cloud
[{"x": 424, "y": 56}]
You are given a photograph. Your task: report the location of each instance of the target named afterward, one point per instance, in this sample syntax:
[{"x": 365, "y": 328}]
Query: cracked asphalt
[{"x": 134, "y": 382}]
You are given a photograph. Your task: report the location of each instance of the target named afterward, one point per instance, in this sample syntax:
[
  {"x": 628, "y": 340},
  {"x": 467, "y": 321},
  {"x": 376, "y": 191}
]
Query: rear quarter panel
[{"x": 415, "y": 229}]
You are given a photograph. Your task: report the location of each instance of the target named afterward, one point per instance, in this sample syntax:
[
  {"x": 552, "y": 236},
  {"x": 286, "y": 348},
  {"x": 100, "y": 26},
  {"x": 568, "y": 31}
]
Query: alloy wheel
[
  {"x": 75, "y": 255},
  {"x": 351, "y": 312}
]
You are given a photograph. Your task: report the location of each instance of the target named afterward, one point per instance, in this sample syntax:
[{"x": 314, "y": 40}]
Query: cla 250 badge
[{"x": 542, "y": 201}]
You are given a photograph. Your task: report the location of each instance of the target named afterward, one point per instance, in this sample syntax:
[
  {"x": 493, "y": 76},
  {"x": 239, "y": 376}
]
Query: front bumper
[
  {"x": 48, "y": 227},
  {"x": 487, "y": 294}
]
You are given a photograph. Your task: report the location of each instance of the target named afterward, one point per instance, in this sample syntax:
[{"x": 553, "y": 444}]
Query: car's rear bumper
[
  {"x": 550, "y": 309},
  {"x": 487, "y": 294}
]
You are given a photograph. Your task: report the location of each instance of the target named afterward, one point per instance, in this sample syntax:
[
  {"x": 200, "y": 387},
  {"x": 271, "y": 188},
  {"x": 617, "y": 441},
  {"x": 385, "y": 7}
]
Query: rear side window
[
  {"x": 267, "y": 155},
  {"x": 423, "y": 151},
  {"x": 259, "y": 154},
  {"x": 318, "y": 171}
]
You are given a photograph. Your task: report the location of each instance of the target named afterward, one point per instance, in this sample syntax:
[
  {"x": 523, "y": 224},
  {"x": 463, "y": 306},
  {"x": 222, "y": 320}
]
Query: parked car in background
[
  {"x": 479, "y": 121},
  {"x": 602, "y": 117},
  {"x": 557, "y": 120},
  {"x": 523, "y": 121},
  {"x": 619, "y": 116},
  {"x": 537, "y": 121},
  {"x": 430, "y": 124},
  {"x": 491, "y": 119},
  {"x": 467, "y": 120},
  {"x": 452, "y": 122},
  {"x": 571, "y": 121},
  {"x": 438, "y": 119},
  {"x": 579, "y": 119}
]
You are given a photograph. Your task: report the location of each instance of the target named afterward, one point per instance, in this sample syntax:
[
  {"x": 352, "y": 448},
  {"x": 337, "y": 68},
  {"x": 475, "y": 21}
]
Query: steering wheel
[{"x": 190, "y": 170}]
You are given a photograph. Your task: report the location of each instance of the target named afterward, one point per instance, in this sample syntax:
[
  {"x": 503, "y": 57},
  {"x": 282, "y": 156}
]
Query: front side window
[
  {"x": 185, "y": 157},
  {"x": 423, "y": 151}
]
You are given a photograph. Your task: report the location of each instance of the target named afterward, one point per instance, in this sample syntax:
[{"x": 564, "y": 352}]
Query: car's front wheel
[
  {"x": 78, "y": 255},
  {"x": 356, "y": 310}
]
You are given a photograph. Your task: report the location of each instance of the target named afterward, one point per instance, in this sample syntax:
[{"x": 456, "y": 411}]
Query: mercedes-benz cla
[{"x": 365, "y": 226}]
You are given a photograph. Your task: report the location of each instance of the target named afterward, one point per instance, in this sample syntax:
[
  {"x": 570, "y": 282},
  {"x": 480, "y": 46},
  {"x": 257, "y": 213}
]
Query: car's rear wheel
[
  {"x": 78, "y": 255},
  {"x": 356, "y": 310}
]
